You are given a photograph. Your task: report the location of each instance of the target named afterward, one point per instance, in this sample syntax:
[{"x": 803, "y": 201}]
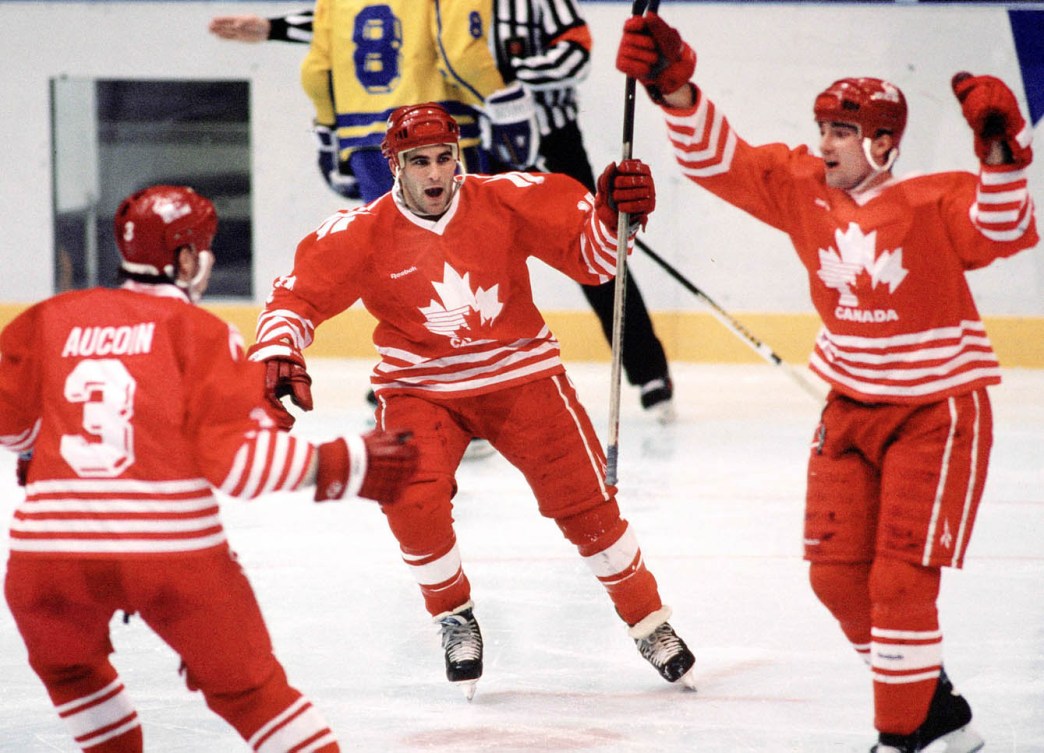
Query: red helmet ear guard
[
  {"x": 414, "y": 126},
  {"x": 152, "y": 224},
  {"x": 872, "y": 104}
]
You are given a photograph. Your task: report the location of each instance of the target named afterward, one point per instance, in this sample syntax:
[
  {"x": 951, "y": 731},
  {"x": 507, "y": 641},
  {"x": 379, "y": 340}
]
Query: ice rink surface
[{"x": 716, "y": 500}]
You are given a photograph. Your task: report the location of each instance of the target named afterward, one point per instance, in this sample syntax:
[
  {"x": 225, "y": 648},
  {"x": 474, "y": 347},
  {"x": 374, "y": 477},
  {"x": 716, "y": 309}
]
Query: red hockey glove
[
  {"x": 627, "y": 188},
  {"x": 379, "y": 466},
  {"x": 285, "y": 375},
  {"x": 22, "y": 469},
  {"x": 285, "y": 378},
  {"x": 655, "y": 54},
  {"x": 993, "y": 114}
]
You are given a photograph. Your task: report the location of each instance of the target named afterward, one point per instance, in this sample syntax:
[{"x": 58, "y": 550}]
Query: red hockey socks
[
  {"x": 844, "y": 589},
  {"x": 906, "y": 643}
]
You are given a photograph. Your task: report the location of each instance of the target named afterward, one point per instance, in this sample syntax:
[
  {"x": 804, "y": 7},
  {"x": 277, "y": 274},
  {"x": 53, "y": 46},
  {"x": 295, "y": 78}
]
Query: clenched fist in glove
[
  {"x": 377, "y": 466},
  {"x": 337, "y": 173},
  {"x": 993, "y": 113},
  {"x": 655, "y": 54},
  {"x": 285, "y": 376},
  {"x": 510, "y": 131},
  {"x": 627, "y": 187}
]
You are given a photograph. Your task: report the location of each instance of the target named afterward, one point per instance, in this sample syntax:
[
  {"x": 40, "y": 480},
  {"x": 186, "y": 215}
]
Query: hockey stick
[
  {"x": 612, "y": 451},
  {"x": 732, "y": 325}
]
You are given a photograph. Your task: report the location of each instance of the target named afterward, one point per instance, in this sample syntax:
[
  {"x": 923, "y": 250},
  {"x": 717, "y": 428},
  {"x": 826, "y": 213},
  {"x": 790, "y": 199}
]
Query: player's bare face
[
  {"x": 842, "y": 150},
  {"x": 427, "y": 179}
]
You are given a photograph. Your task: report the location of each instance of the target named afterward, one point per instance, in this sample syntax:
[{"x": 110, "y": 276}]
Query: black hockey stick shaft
[
  {"x": 734, "y": 326},
  {"x": 612, "y": 451}
]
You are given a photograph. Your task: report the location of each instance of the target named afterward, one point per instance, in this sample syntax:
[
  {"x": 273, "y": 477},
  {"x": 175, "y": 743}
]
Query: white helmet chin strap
[
  {"x": 875, "y": 169},
  {"x": 198, "y": 284}
]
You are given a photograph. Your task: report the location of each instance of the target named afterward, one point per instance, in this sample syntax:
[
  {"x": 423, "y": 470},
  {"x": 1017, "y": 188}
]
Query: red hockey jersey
[
  {"x": 885, "y": 268},
  {"x": 452, "y": 297},
  {"x": 135, "y": 404}
]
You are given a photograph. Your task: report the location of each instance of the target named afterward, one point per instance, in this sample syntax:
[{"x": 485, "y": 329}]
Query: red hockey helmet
[
  {"x": 414, "y": 126},
  {"x": 872, "y": 104},
  {"x": 152, "y": 224}
]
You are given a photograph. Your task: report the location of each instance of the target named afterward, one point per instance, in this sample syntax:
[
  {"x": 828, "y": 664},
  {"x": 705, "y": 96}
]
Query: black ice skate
[
  {"x": 462, "y": 642},
  {"x": 661, "y": 647},
  {"x": 946, "y": 726}
]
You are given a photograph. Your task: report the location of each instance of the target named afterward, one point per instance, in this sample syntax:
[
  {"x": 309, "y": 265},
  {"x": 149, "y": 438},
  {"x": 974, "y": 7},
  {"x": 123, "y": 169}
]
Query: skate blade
[
  {"x": 963, "y": 740},
  {"x": 467, "y": 687},
  {"x": 664, "y": 413},
  {"x": 688, "y": 680}
]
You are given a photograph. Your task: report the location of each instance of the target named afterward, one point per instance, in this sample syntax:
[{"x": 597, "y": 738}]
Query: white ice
[{"x": 716, "y": 500}]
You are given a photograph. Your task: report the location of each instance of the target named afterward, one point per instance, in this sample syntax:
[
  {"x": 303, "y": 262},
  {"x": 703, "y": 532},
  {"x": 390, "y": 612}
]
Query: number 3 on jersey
[{"x": 106, "y": 390}]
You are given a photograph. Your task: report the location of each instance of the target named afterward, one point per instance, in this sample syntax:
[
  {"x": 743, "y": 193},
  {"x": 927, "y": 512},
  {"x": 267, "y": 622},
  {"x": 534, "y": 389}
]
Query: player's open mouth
[{"x": 433, "y": 193}]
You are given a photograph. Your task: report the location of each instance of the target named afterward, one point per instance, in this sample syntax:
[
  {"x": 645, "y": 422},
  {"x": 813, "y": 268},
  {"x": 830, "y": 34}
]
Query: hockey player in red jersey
[
  {"x": 898, "y": 462},
  {"x": 136, "y": 405},
  {"x": 441, "y": 262}
]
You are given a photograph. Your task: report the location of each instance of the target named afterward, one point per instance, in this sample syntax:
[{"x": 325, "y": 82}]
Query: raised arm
[
  {"x": 293, "y": 27},
  {"x": 1003, "y": 209}
]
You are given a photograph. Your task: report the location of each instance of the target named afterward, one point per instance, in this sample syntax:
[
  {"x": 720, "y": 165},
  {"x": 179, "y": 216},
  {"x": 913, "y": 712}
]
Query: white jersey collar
[
  {"x": 159, "y": 290},
  {"x": 866, "y": 195},
  {"x": 436, "y": 226}
]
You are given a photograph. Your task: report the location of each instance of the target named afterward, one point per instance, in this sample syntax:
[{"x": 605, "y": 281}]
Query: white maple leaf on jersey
[
  {"x": 340, "y": 220},
  {"x": 888, "y": 268},
  {"x": 458, "y": 303},
  {"x": 857, "y": 252}
]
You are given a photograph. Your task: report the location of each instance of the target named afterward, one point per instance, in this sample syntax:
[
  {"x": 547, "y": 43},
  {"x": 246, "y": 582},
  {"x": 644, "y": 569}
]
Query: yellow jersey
[{"x": 367, "y": 58}]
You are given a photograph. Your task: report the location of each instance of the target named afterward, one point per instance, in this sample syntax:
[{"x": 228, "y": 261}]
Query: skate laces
[
  {"x": 461, "y": 639},
  {"x": 661, "y": 645}
]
